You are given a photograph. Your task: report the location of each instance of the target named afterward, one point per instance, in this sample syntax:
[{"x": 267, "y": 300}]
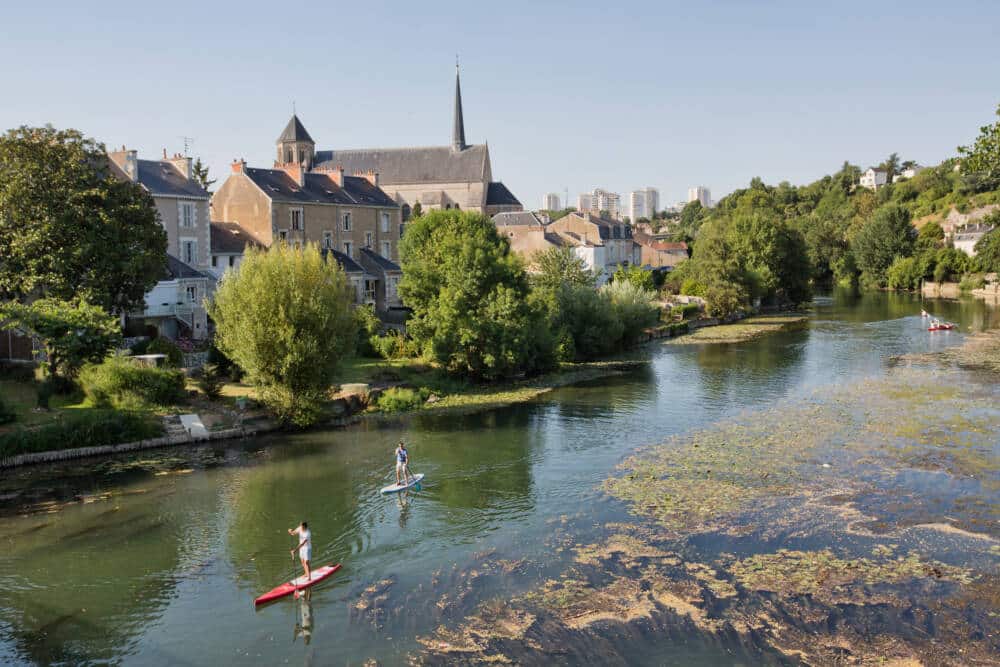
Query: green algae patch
[
  {"x": 748, "y": 329},
  {"x": 832, "y": 579}
]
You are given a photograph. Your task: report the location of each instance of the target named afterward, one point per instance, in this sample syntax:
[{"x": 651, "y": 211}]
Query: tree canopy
[
  {"x": 882, "y": 238},
  {"x": 69, "y": 228},
  {"x": 73, "y": 333},
  {"x": 286, "y": 318},
  {"x": 468, "y": 293},
  {"x": 982, "y": 157}
]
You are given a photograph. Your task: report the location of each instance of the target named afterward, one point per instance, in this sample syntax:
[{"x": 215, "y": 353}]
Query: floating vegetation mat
[
  {"x": 744, "y": 330},
  {"x": 854, "y": 525}
]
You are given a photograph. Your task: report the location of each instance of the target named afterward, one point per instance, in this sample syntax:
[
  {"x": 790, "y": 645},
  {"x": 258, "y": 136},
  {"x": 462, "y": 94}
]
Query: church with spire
[{"x": 456, "y": 176}]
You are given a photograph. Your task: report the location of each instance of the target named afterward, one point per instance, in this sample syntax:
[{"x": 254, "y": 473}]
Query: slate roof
[
  {"x": 319, "y": 189},
  {"x": 163, "y": 178},
  {"x": 645, "y": 239},
  {"x": 228, "y": 238},
  {"x": 376, "y": 263},
  {"x": 499, "y": 195},
  {"x": 518, "y": 218},
  {"x": 397, "y": 166},
  {"x": 177, "y": 270},
  {"x": 345, "y": 261},
  {"x": 295, "y": 131}
]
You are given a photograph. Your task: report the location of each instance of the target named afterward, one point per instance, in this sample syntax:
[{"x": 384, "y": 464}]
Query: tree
[
  {"x": 468, "y": 294},
  {"x": 72, "y": 333},
  {"x": 69, "y": 228},
  {"x": 286, "y": 318},
  {"x": 635, "y": 275},
  {"x": 988, "y": 247},
  {"x": 560, "y": 266},
  {"x": 982, "y": 157},
  {"x": 416, "y": 211},
  {"x": 201, "y": 175},
  {"x": 891, "y": 166},
  {"x": 905, "y": 273},
  {"x": 882, "y": 238}
]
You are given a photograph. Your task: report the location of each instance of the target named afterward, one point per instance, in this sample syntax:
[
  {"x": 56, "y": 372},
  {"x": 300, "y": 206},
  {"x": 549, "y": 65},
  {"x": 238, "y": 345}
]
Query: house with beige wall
[
  {"x": 613, "y": 237},
  {"x": 529, "y": 235},
  {"x": 659, "y": 254},
  {"x": 294, "y": 204},
  {"x": 175, "y": 306}
]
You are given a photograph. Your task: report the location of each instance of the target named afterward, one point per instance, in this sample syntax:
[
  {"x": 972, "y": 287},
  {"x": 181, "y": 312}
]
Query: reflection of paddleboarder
[
  {"x": 402, "y": 463},
  {"x": 403, "y": 500},
  {"x": 304, "y": 622}
]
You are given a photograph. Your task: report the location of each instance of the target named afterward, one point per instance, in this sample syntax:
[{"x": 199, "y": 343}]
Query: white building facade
[
  {"x": 550, "y": 202},
  {"x": 643, "y": 203},
  {"x": 873, "y": 179},
  {"x": 701, "y": 194}
]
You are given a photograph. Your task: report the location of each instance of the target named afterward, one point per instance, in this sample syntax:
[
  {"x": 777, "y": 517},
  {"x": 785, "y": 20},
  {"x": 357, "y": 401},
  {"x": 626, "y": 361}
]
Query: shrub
[
  {"x": 368, "y": 325},
  {"x": 905, "y": 273},
  {"x": 161, "y": 345},
  {"x": 633, "y": 306},
  {"x": 394, "y": 345},
  {"x": 692, "y": 287},
  {"x": 210, "y": 382},
  {"x": 223, "y": 364},
  {"x": 586, "y": 322},
  {"x": 140, "y": 346},
  {"x": 121, "y": 383},
  {"x": 686, "y": 310},
  {"x": 85, "y": 428},
  {"x": 723, "y": 300},
  {"x": 972, "y": 281},
  {"x": 44, "y": 392},
  {"x": 402, "y": 399},
  {"x": 6, "y": 414},
  {"x": 950, "y": 262}
]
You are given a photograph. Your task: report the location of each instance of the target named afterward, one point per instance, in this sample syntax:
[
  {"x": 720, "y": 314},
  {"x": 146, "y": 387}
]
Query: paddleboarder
[
  {"x": 304, "y": 547},
  {"x": 402, "y": 463}
]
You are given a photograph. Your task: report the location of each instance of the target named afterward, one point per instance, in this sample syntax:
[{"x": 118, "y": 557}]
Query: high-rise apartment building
[
  {"x": 643, "y": 203},
  {"x": 585, "y": 202},
  {"x": 550, "y": 202},
  {"x": 602, "y": 200},
  {"x": 700, "y": 194}
]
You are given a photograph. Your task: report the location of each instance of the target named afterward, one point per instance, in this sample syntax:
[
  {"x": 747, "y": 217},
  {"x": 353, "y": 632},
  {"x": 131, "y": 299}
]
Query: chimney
[
  {"x": 371, "y": 176},
  {"x": 183, "y": 164},
  {"x": 335, "y": 174},
  {"x": 131, "y": 166},
  {"x": 238, "y": 166},
  {"x": 296, "y": 171}
]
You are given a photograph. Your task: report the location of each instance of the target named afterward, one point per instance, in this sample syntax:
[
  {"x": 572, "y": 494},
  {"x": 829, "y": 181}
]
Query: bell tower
[{"x": 295, "y": 146}]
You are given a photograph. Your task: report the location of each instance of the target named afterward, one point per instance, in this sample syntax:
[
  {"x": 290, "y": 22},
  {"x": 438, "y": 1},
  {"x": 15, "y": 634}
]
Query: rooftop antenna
[
  {"x": 187, "y": 144},
  {"x": 293, "y": 107}
]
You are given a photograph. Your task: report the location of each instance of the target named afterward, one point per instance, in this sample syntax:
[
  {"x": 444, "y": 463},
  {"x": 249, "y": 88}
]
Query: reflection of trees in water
[
  {"x": 604, "y": 397},
  {"x": 852, "y": 306},
  {"x": 97, "y": 575}
]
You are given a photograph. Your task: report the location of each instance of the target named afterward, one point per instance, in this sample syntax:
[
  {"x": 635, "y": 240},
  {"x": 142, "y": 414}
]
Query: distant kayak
[
  {"x": 318, "y": 575},
  {"x": 396, "y": 488},
  {"x": 941, "y": 327}
]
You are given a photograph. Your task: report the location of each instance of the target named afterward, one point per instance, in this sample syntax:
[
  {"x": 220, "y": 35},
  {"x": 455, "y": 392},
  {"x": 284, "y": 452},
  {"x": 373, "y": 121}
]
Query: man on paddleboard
[
  {"x": 304, "y": 547},
  {"x": 402, "y": 463}
]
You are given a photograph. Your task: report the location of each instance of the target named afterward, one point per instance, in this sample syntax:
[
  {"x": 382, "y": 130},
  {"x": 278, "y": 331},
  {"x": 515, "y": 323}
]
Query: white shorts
[{"x": 305, "y": 553}]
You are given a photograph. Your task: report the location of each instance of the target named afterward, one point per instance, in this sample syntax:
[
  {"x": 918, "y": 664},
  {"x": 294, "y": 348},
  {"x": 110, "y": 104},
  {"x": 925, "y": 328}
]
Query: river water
[{"x": 155, "y": 558}]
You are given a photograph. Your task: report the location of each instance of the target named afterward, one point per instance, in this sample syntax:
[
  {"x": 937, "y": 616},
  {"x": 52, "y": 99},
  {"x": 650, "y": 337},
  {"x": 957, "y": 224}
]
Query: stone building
[
  {"x": 439, "y": 177},
  {"x": 325, "y": 206},
  {"x": 175, "y": 306},
  {"x": 613, "y": 236}
]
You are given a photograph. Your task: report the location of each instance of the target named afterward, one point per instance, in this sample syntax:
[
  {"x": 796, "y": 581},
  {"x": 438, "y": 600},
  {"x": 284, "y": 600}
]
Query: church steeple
[{"x": 458, "y": 131}]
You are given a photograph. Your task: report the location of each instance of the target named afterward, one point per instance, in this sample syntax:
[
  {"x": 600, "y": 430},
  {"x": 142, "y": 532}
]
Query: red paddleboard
[{"x": 318, "y": 575}]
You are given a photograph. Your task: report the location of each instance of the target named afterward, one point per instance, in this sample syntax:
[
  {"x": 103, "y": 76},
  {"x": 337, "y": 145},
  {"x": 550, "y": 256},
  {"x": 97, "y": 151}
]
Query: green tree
[
  {"x": 982, "y": 157},
  {"x": 988, "y": 247},
  {"x": 882, "y": 238},
  {"x": 905, "y": 273},
  {"x": 634, "y": 307},
  {"x": 69, "y": 228},
  {"x": 635, "y": 275},
  {"x": 72, "y": 333},
  {"x": 950, "y": 263},
  {"x": 891, "y": 165},
  {"x": 286, "y": 318},
  {"x": 416, "y": 211},
  {"x": 560, "y": 266},
  {"x": 468, "y": 294},
  {"x": 201, "y": 175}
]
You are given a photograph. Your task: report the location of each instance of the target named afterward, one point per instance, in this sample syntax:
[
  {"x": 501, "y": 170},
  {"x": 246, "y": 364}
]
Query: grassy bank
[{"x": 744, "y": 330}]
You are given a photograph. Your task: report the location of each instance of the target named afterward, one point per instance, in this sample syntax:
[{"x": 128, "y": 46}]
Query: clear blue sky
[{"x": 620, "y": 95}]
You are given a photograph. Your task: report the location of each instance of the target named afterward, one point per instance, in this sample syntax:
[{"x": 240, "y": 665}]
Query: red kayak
[
  {"x": 318, "y": 575},
  {"x": 941, "y": 327}
]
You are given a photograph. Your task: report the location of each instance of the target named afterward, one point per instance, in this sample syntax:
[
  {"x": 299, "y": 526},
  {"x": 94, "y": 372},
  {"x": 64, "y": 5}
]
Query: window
[
  {"x": 232, "y": 260},
  {"x": 192, "y": 294},
  {"x": 189, "y": 251},
  {"x": 385, "y": 223},
  {"x": 187, "y": 214},
  {"x": 296, "y": 217},
  {"x": 369, "y": 291},
  {"x": 401, "y": 228},
  {"x": 347, "y": 248},
  {"x": 347, "y": 221},
  {"x": 387, "y": 249},
  {"x": 369, "y": 239},
  {"x": 327, "y": 238},
  {"x": 215, "y": 260},
  {"x": 282, "y": 234},
  {"x": 405, "y": 212}
]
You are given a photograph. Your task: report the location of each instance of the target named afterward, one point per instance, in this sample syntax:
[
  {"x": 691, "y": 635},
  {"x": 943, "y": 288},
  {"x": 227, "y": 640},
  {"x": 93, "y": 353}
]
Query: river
[{"x": 155, "y": 558}]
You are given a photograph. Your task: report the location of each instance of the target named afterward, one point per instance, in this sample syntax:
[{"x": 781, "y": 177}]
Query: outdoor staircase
[{"x": 173, "y": 427}]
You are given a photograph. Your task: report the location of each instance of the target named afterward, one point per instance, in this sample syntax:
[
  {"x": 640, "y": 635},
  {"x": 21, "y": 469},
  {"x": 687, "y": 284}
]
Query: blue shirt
[{"x": 401, "y": 455}]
